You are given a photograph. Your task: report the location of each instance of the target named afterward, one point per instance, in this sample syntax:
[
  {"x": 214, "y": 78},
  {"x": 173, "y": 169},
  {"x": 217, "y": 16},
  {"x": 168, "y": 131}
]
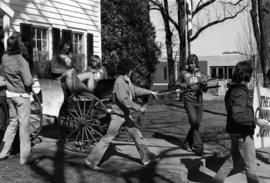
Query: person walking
[
  {"x": 192, "y": 79},
  {"x": 123, "y": 93},
  {"x": 19, "y": 82},
  {"x": 240, "y": 126}
]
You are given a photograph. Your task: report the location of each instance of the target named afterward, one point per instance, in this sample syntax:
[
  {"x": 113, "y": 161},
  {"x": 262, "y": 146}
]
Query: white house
[{"x": 42, "y": 23}]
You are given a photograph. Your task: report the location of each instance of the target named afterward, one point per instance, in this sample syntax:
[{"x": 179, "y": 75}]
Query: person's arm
[
  {"x": 239, "y": 108},
  {"x": 181, "y": 80},
  {"x": 105, "y": 74},
  {"x": 122, "y": 94}
]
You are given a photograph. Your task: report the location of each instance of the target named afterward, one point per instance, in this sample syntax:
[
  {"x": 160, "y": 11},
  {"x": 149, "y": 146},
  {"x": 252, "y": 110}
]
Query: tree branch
[
  {"x": 201, "y": 6},
  {"x": 214, "y": 23}
]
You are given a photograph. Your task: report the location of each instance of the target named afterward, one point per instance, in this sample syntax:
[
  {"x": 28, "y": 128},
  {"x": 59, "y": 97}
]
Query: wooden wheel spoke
[
  {"x": 97, "y": 132},
  {"x": 90, "y": 107},
  {"x": 82, "y": 130},
  {"x": 85, "y": 131},
  {"x": 33, "y": 126},
  {"x": 89, "y": 130},
  {"x": 76, "y": 129},
  {"x": 75, "y": 117},
  {"x": 78, "y": 135},
  {"x": 79, "y": 108},
  {"x": 84, "y": 106}
]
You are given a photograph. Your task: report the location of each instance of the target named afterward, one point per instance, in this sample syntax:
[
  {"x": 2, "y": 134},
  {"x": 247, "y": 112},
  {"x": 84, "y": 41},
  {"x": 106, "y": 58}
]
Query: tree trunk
[
  {"x": 168, "y": 42},
  {"x": 182, "y": 34},
  {"x": 264, "y": 19}
]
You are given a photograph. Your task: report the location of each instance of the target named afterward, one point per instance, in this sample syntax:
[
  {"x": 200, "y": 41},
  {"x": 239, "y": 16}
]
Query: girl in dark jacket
[{"x": 240, "y": 126}]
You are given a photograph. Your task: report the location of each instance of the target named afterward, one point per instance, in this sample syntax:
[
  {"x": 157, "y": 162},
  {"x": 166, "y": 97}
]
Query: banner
[
  {"x": 52, "y": 96},
  {"x": 261, "y": 106}
]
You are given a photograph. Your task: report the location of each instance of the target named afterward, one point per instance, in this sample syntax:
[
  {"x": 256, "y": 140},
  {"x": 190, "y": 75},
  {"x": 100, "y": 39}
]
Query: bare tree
[
  {"x": 206, "y": 14},
  {"x": 163, "y": 8},
  {"x": 260, "y": 15},
  {"x": 246, "y": 42}
]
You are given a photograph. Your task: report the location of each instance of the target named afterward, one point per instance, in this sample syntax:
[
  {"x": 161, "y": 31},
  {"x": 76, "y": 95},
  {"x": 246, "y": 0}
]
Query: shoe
[
  {"x": 30, "y": 162},
  {"x": 3, "y": 157},
  {"x": 91, "y": 165},
  {"x": 186, "y": 147},
  {"x": 151, "y": 161},
  {"x": 198, "y": 152}
]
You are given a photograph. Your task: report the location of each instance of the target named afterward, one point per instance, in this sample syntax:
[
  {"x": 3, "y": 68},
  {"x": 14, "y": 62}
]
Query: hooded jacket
[{"x": 240, "y": 114}]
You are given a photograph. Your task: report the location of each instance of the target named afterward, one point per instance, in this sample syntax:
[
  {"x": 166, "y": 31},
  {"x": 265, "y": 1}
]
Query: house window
[
  {"x": 213, "y": 72},
  {"x": 222, "y": 72},
  {"x": 78, "y": 49},
  {"x": 165, "y": 73},
  {"x": 40, "y": 41},
  {"x": 230, "y": 71},
  {"x": 77, "y": 39}
]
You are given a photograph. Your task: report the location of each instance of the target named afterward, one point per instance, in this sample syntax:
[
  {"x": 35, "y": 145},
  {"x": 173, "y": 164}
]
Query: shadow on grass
[{"x": 204, "y": 110}]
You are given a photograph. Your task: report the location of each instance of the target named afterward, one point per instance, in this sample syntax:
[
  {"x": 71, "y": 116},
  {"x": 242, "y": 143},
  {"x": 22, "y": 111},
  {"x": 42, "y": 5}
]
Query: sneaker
[
  {"x": 30, "y": 162},
  {"x": 91, "y": 165},
  {"x": 3, "y": 156},
  {"x": 186, "y": 147},
  {"x": 150, "y": 161},
  {"x": 198, "y": 152}
]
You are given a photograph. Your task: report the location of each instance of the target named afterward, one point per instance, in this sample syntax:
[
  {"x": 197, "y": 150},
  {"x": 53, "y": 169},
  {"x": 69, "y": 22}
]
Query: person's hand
[
  {"x": 142, "y": 109},
  {"x": 262, "y": 122},
  {"x": 183, "y": 85},
  {"x": 203, "y": 84},
  {"x": 154, "y": 93}
]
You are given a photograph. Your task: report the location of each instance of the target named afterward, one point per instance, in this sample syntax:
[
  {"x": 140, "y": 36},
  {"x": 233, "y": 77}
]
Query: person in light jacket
[
  {"x": 123, "y": 93},
  {"x": 19, "y": 82}
]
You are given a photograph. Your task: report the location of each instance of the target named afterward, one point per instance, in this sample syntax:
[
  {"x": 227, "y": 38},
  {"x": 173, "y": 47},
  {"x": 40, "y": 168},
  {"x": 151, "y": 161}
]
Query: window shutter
[
  {"x": 55, "y": 39},
  {"x": 90, "y": 45},
  {"x": 26, "y": 34}
]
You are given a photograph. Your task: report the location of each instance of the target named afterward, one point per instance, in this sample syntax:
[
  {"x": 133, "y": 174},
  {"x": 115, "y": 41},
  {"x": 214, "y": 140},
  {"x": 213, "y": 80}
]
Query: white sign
[
  {"x": 261, "y": 106},
  {"x": 52, "y": 96}
]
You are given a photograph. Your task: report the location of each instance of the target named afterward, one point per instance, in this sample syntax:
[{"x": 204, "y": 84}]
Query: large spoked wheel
[
  {"x": 80, "y": 122},
  {"x": 36, "y": 117}
]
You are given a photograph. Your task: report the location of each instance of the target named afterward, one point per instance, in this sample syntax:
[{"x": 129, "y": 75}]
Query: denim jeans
[
  {"x": 19, "y": 116},
  {"x": 194, "y": 111},
  {"x": 243, "y": 157},
  {"x": 116, "y": 122}
]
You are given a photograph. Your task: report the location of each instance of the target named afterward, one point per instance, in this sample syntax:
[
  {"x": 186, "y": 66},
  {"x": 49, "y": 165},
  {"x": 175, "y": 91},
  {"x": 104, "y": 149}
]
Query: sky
[
  {"x": 213, "y": 41},
  {"x": 219, "y": 38}
]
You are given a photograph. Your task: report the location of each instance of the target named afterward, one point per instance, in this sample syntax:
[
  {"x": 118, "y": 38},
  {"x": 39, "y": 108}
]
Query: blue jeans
[
  {"x": 243, "y": 157},
  {"x": 19, "y": 116},
  {"x": 194, "y": 111},
  {"x": 116, "y": 122}
]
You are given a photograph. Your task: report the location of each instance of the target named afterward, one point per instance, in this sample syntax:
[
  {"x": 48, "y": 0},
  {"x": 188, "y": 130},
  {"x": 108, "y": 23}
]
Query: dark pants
[
  {"x": 3, "y": 117},
  {"x": 194, "y": 111}
]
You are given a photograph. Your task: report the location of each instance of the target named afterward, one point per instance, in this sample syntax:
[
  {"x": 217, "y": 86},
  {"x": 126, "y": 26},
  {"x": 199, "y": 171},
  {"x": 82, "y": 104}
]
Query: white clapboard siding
[{"x": 76, "y": 15}]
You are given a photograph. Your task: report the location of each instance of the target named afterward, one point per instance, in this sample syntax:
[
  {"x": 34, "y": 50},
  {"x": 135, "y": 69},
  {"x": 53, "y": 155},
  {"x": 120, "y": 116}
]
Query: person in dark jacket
[
  {"x": 2, "y": 46},
  {"x": 193, "y": 78},
  {"x": 3, "y": 104},
  {"x": 240, "y": 126}
]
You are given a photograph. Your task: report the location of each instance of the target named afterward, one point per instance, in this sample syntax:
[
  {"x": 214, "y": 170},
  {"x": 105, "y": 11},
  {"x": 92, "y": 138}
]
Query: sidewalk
[{"x": 173, "y": 165}]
